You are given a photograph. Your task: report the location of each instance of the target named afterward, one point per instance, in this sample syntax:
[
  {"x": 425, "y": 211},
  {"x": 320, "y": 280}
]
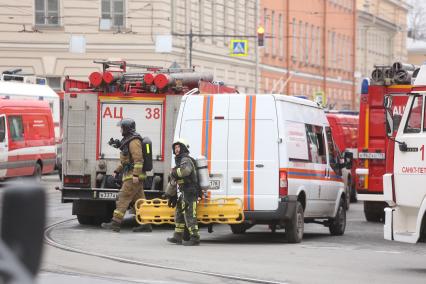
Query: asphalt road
[{"x": 360, "y": 256}]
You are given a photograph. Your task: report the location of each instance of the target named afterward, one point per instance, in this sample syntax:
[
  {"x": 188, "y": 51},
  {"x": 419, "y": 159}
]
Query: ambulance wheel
[
  {"x": 295, "y": 227},
  {"x": 37, "y": 172},
  {"x": 338, "y": 224},
  {"x": 85, "y": 219},
  {"x": 347, "y": 196},
  {"x": 238, "y": 229}
]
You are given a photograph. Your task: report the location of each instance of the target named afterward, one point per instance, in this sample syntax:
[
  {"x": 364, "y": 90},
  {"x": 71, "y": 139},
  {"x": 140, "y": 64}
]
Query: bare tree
[{"x": 417, "y": 20}]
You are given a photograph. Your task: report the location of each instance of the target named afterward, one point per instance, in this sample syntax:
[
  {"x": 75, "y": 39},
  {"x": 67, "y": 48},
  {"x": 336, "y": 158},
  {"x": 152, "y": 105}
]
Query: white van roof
[
  {"x": 279, "y": 97},
  {"x": 296, "y": 100},
  {"x": 26, "y": 89}
]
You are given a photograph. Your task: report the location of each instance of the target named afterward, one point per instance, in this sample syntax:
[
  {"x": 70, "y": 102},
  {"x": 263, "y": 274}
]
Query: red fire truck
[
  {"x": 151, "y": 96},
  {"x": 375, "y": 157},
  {"x": 344, "y": 128}
]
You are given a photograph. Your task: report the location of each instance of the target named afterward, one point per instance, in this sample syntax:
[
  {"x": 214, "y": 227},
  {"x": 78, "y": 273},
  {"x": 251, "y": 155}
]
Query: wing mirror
[
  {"x": 349, "y": 158},
  {"x": 22, "y": 229}
]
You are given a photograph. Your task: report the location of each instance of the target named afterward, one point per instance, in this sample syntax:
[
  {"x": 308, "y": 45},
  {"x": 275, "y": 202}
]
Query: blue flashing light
[
  {"x": 364, "y": 86},
  {"x": 302, "y": 97}
]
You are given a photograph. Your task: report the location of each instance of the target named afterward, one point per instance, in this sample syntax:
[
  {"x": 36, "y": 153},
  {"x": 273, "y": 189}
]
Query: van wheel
[
  {"x": 238, "y": 229},
  {"x": 37, "y": 172},
  {"x": 295, "y": 227},
  {"x": 338, "y": 224},
  {"x": 85, "y": 219},
  {"x": 347, "y": 197}
]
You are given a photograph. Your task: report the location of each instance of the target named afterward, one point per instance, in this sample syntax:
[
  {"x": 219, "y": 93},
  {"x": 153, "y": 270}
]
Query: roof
[
  {"x": 416, "y": 46},
  {"x": 296, "y": 100},
  {"x": 24, "y": 103},
  {"x": 25, "y": 89}
]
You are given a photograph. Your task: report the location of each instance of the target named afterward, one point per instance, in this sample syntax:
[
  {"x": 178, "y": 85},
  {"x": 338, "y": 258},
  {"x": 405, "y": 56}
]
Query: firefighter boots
[
  {"x": 176, "y": 239},
  {"x": 193, "y": 241},
  {"x": 146, "y": 228},
  {"x": 113, "y": 225}
]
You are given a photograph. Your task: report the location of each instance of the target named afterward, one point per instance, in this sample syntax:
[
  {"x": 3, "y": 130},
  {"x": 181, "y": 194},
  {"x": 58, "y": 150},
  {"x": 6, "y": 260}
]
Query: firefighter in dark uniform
[
  {"x": 131, "y": 165},
  {"x": 185, "y": 176}
]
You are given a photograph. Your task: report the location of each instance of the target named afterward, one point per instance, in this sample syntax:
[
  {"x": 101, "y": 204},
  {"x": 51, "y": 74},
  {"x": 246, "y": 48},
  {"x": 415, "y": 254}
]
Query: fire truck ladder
[{"x": 76, "y": 146}]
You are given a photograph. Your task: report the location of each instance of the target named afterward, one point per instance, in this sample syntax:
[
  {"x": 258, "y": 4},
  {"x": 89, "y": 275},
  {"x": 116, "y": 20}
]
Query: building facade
[
  {"x": 416, "y": 51},
  {"x": 310, "y": 49},
  {"x": 381, "y": 34},
  {"x": 56, "y": 38}
]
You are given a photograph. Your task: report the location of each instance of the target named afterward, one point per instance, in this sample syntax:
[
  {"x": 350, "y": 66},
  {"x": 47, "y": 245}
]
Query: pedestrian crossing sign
[{"x": 239, "y": 47}]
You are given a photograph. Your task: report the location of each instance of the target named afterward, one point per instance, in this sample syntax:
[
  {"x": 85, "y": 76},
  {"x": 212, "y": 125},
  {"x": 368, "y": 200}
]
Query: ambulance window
[
  {"x": 415, "y": 116},
  {"x": 316, "y": 144},
  {"x": 2, "y": 129},
  {"x": 16, "y": 128},
  {"x": 333, "y": 152}
]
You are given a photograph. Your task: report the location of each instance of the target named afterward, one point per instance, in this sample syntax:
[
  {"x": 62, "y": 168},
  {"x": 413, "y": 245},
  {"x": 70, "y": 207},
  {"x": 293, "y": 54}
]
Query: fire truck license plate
[
  {"x": 214, "y": 184},
  {"x": 379, "y": 156},
  {"x": 107, "y": 195}
]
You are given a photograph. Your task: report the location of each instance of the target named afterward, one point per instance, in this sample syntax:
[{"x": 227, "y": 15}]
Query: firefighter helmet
[
  {"x": 128, "y": 125},
  {"x": 182, "y": 143}
]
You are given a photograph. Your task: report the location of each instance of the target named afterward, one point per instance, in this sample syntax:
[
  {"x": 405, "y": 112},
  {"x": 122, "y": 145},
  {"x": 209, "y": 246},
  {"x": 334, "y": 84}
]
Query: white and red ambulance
[
  {"x": 27, "y": 138},
  {"x": 276, "y": 153}
]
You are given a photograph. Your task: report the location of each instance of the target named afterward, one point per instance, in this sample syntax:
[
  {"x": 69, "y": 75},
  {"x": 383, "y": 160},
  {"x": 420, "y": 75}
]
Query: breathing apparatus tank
[{"x": 202, "y": 172}]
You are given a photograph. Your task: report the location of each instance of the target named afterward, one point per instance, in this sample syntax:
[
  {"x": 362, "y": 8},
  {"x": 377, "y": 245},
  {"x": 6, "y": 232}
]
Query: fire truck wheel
[
  {"x": 295, "y": 227},
  {"x": 238, "y": 229},
  {"x": 85, "y": 219},
  {"x": 37, "y": 172},
  {"x": 338, "y": 224}
]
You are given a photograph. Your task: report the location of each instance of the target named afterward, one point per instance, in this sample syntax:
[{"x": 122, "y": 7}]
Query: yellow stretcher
[{"x": 209, "y": 211}]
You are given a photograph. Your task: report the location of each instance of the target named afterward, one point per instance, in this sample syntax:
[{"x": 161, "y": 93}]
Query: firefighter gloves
[{"x": 172, "y": 201}]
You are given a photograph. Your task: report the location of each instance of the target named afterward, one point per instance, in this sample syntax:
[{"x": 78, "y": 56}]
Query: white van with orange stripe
[{"x": 274, "y": 152}]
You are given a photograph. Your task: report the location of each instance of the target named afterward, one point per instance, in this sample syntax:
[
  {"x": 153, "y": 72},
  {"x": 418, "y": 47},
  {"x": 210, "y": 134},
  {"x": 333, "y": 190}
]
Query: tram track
[{"x": 50, "y": 241}]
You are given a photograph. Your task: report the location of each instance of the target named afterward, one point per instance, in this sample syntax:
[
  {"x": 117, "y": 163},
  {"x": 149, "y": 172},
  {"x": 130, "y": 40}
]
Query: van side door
[
  {"x": 410, "y": 161},
  {"x": 4, "y": 147}
]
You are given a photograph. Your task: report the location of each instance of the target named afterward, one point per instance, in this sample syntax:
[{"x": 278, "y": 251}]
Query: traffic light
[{"x": 260, "y": 36}]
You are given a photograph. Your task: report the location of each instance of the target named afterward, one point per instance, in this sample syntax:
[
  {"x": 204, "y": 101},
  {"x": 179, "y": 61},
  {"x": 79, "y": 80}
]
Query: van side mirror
[
  {"x": 387, "y": 102},
  {"x": 349, "y": 158},
  {"x": 23, "y": 222}
]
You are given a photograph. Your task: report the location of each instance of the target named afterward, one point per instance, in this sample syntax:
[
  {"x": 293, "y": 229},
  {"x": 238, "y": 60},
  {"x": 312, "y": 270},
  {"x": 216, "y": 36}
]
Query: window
[
  {"x": 301, "y": 41},
  {"x": 333, "y": 153},
  {"x": 265, "y": 23},
  {"x": 2, "y": 129},
  {"x": 306, "y": 43},
  {"x": 316, "y": 144},
  {"x": 273, "y": 49},
  {"x": 280, "y": 36},
  {"x": 16, "y": 128},
  {"x": 294, "y": 51},
  {"x": 414, "y": 118},
  {"x": 113, "y": 10},
  {"x": 47, "y": 12},
  {"x": 201, "y": 16}
]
